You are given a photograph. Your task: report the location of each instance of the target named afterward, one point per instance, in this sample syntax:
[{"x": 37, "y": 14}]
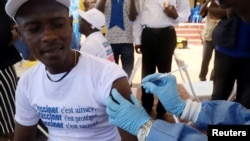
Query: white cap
[
  {"x": 94, "y": 17},
  {"x": 13, "y": 5}
]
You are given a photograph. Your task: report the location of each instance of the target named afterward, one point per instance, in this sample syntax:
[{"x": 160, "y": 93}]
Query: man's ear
[
  {"x": 17, "y": 28},
  {"x": 71, "y": 20}
]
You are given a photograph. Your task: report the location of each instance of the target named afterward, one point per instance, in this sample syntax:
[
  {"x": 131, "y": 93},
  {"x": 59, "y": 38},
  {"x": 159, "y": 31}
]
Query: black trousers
[
  {"x": 157, "y": 49},
  {"x": 227, "y": 69}
]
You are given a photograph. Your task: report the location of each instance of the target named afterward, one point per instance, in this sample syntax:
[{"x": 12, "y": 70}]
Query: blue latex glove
[
  {"x": 166, "y": 90},
  {"x": 126, "y": 115}
]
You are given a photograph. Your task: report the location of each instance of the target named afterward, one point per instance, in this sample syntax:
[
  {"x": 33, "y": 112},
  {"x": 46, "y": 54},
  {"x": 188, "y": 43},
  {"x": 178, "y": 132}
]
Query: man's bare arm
[
  {"x": 124, "y": 89},
  {"x": 24, "y": 133}
]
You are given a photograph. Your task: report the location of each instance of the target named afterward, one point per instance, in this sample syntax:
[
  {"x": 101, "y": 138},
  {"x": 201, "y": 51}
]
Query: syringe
[{"x": 165, "y": 74}]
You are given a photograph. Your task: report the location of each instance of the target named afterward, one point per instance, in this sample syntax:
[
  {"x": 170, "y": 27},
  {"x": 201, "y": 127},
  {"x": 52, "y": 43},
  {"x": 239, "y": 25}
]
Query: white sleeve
[
  {"x": 106, "y": 74},
  {"x": 137, "y": 29},
  {"x": 191, "y": 111},
  {"x": 25, "y": 113},
  {"x": 183, "y": 10},
  {"x": 89, "y": 47}
]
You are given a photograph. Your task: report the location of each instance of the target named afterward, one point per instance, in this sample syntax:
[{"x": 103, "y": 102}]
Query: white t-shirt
[
  {"x": 74, "y": 108},
  {"x": 97, "y": 45}
]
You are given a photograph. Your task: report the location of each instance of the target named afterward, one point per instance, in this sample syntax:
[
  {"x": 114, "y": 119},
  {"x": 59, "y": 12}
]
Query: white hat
[
  {"x": 94, "y": 17},
  {"x": 13, "y": 5}
]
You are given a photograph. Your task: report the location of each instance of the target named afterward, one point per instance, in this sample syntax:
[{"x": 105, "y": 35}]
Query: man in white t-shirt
[
  {"x": 91, "y": 23},
  {"x": 67, "y": 88}
]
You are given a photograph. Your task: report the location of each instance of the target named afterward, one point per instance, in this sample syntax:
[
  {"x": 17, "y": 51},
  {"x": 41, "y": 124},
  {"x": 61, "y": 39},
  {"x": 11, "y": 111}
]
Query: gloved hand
[
  {"x": 166, "y": 90},
  {"x": 126, "y": 115}
]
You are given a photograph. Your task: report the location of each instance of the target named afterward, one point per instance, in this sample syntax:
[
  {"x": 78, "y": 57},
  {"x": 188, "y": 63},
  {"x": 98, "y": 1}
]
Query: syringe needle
[{"x": 165, "y": 74}]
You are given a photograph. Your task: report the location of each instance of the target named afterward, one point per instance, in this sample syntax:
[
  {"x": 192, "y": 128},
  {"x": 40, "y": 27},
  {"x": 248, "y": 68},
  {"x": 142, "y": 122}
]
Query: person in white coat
[{"x": 134, "y": 118}]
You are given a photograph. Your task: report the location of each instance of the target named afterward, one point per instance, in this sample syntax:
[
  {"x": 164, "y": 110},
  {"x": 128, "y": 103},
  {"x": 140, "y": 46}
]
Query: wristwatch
[{"x": 144, "y": 130}]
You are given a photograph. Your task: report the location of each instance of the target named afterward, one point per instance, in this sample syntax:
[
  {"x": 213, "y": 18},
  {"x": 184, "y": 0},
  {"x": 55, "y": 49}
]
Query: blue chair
[
  {"x": 196, "y": 18},
  {"x": 22, "y": 49}
]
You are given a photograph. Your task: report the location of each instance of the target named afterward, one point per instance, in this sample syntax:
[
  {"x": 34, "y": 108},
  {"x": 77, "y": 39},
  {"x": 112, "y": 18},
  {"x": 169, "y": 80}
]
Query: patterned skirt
[{"x": 8, "y": 82}]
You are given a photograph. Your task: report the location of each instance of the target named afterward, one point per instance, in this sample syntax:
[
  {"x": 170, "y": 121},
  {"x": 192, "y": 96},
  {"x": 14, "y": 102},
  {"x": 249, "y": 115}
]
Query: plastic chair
[
  {"x": 132, "y": 75},
  {"x": 22, "y": 48},
  {"x": 42, "y": 130},
  {"x": 197, "y": 90},
  {"x": 232, "y": 96},
  {"x": 196, "y": 18},
  {"x": 136, "y": 67}
]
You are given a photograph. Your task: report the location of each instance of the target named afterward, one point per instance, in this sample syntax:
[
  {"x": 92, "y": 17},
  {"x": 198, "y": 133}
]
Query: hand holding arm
[
  {"x": 166, "y": 90},
  {"x": 125, "y": 114},
  {"x": 131, "y": 117}
]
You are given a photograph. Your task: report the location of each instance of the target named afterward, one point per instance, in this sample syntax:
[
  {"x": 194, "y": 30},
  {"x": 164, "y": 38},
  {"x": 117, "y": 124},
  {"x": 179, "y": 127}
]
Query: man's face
[
  {"x": 47, "y": 30},
  {"x": 84, "y": 26}
]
